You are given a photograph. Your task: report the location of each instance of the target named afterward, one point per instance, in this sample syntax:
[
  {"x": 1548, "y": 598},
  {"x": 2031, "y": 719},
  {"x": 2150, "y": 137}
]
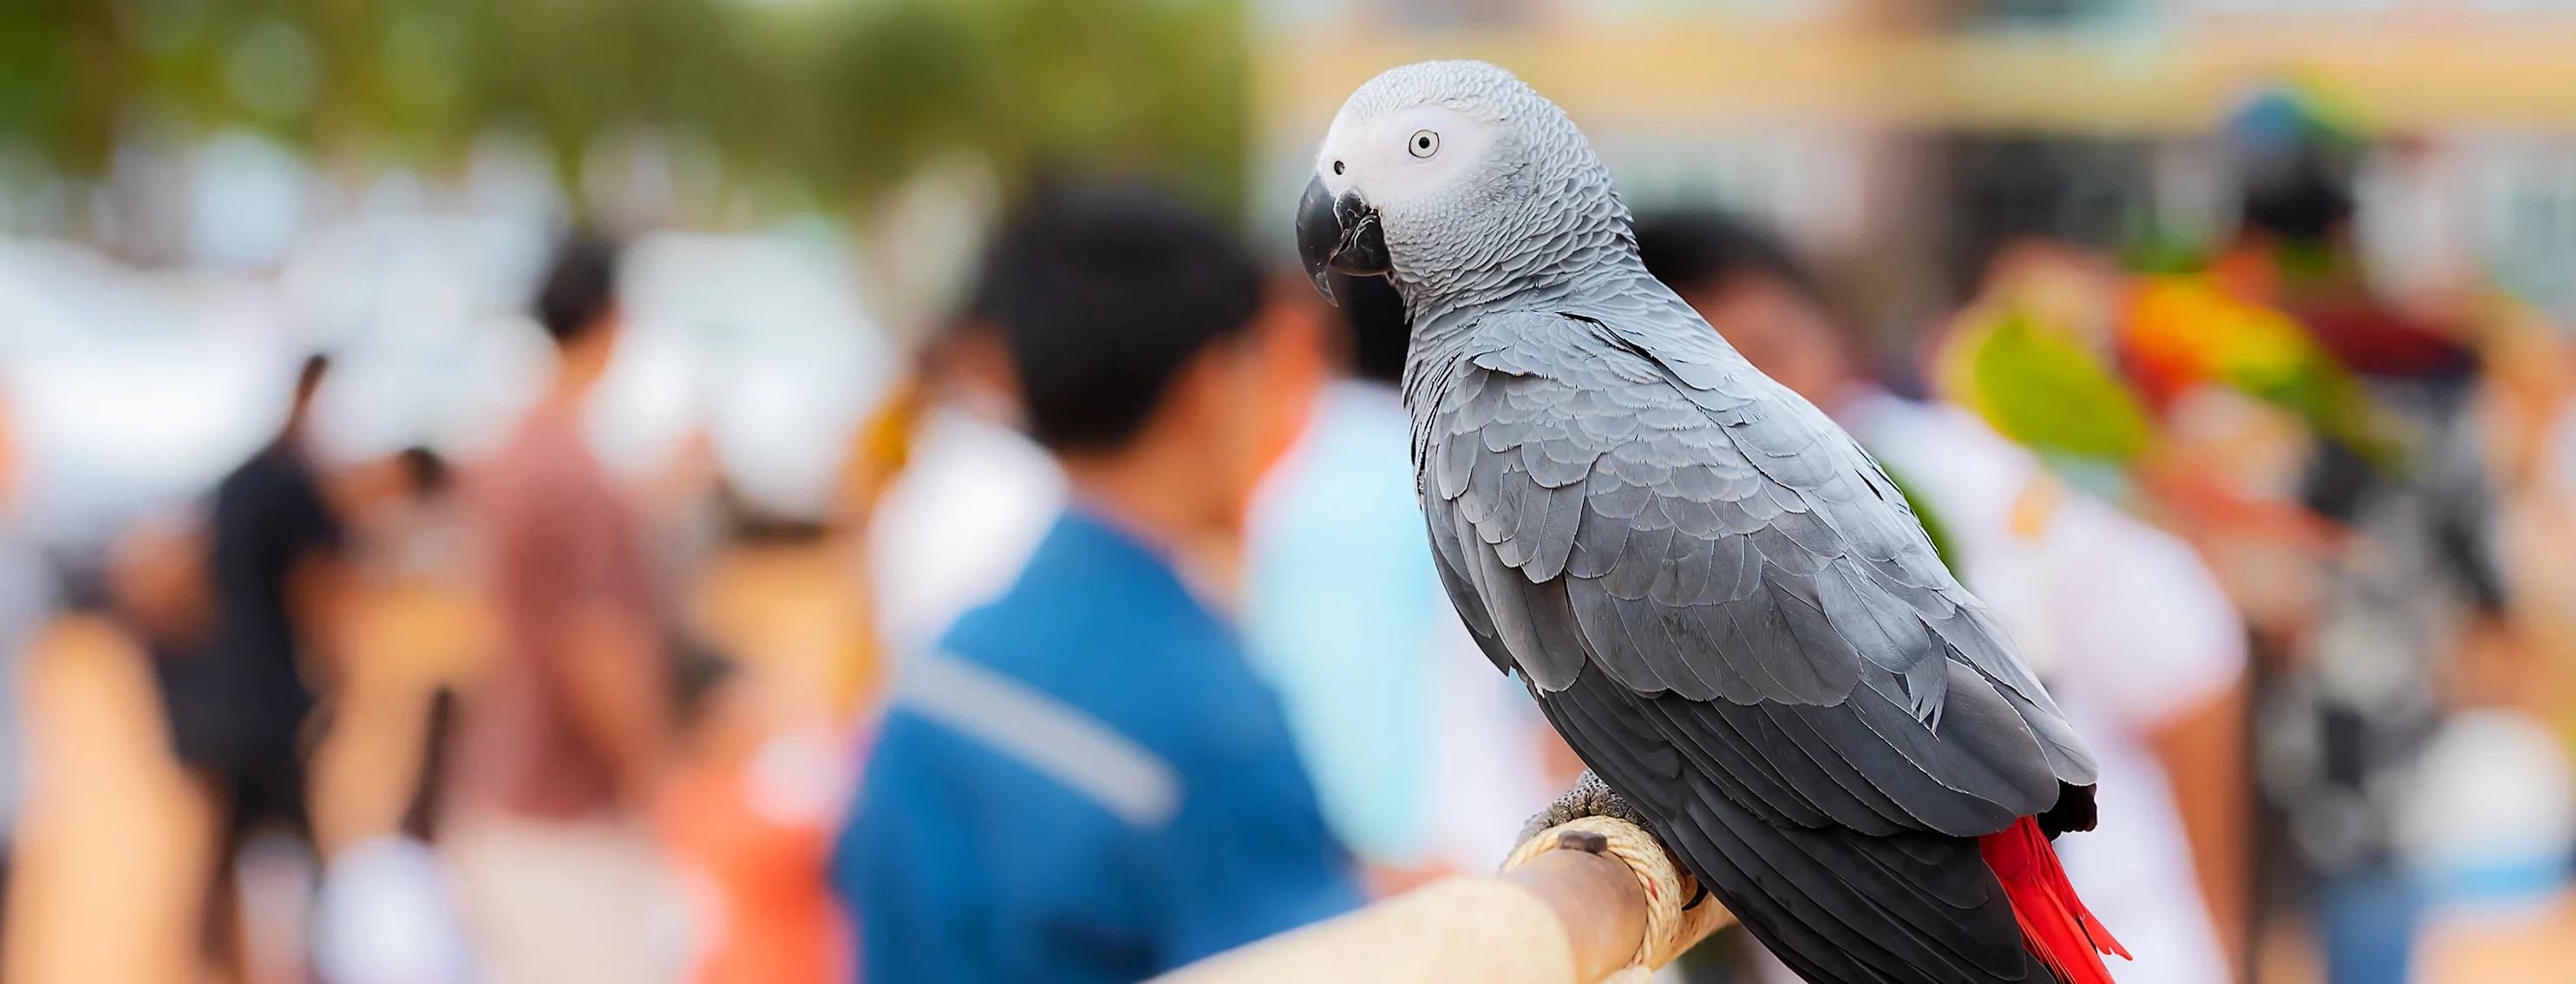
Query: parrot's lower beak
[{"x": 1338, "y": 234}]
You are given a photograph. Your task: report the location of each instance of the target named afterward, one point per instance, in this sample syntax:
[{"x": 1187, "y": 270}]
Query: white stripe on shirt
[{"x": 1046, "y": 735}]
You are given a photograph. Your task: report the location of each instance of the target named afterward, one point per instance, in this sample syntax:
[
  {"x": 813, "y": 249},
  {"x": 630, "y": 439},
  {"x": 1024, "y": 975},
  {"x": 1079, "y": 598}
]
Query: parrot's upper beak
[{"x": 1338, "y": 234}]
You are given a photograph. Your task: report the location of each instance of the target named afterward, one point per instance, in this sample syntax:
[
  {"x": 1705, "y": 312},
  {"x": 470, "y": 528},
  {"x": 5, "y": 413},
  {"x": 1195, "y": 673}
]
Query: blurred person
[
  {"x": 410, "y": 626},
  {"x": 118, "y": 875},
  {"x": 386, "y": 912},
  {"x": 240, "y": 699},
  {"x": 557, "y": 742},
  {"x": 2361, "y": 693},
  {"x": 1086, "y": 782},
  {"x": 2296, "y": 245},
  {"x": 2123, "y": 622},
  {"x": 1424, "y": 758}
]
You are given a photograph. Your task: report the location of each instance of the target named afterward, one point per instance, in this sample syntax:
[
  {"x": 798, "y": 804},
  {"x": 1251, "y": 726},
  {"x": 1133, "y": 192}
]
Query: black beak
[{"x": 1338, "y": 234}]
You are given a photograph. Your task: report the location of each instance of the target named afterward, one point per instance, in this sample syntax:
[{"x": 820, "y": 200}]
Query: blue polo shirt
[{"x": 1085, "y": 784}]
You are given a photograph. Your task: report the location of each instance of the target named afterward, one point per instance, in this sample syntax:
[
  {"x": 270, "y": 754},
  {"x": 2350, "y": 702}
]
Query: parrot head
[{"x": 1440, "y": 175}]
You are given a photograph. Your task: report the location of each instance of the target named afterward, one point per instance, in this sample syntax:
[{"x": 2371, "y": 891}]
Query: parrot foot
[{"x": 1590, "y": 797}]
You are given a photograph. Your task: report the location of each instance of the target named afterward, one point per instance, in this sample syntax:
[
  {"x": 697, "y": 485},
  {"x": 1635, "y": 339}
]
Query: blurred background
[{"x": 2310, "y": 265}]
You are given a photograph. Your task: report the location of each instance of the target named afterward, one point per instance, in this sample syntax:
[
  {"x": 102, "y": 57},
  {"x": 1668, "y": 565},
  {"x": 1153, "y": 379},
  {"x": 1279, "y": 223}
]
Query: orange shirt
[{"x": 756, "y": 864}]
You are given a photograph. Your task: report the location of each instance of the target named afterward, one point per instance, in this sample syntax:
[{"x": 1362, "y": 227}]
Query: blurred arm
[
  {"x": 2203, "y": 749},
  {"x": 606, "y": 646},
  {"x": 614, "y": 690},
  {"x": 322, "y": 593},
  {"x": 1563, "y": 912},
  {"x": 321, "y": 585},
  {"x": 1565, "y": 917}
]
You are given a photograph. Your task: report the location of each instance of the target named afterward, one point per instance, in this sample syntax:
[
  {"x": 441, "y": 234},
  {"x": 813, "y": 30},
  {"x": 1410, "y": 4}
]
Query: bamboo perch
[{"x": 1573, "y": 912}]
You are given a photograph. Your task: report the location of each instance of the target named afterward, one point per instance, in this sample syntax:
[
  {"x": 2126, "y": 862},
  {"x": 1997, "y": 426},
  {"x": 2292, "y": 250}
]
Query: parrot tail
[{"x": 2054, "y": 923}]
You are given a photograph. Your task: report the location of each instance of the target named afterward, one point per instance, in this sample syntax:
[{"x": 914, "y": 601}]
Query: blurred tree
[
  {"x": 63, "y": 75},
  {"x": 840, "y": 98}
]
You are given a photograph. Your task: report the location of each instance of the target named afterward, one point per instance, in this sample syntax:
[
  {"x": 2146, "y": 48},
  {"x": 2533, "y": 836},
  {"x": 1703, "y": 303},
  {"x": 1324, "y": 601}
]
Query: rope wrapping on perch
[{"x": 1673, "y": 923}]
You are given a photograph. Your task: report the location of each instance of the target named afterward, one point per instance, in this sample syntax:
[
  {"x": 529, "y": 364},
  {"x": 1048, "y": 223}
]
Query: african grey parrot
[{"x": 1716, "y": 596}]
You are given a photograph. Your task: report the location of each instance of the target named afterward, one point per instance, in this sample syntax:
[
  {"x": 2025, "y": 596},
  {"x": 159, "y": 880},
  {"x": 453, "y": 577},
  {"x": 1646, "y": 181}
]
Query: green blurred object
[
  {"x": 1933, "y": 527},
  {"x": 841, "y": 98},
  {"x": 2044, "y": 388},
  {"x": 2162, "y": 250}
]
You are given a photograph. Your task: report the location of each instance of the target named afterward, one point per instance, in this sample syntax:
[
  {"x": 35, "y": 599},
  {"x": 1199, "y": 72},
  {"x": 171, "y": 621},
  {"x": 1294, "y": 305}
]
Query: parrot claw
[{"x": 1590, "y": 797}]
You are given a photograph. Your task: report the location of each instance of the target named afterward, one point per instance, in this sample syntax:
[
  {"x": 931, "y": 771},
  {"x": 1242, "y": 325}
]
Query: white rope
[{"x": 1670, "y": 928}]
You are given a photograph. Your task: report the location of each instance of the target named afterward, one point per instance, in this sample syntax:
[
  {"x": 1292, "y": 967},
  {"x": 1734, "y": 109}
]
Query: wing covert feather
[{"x": 1685, "y": 529}]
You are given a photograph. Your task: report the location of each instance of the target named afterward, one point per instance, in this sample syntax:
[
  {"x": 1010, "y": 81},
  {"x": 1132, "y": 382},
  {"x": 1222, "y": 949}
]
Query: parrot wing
[{"x": 1728, "y": 611}]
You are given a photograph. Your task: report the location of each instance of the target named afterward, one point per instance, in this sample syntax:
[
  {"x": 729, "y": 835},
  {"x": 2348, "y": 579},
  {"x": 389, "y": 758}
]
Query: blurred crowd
[
  {"x": 1118, "y": 643},
  {"x": 1131, "y": 553}
]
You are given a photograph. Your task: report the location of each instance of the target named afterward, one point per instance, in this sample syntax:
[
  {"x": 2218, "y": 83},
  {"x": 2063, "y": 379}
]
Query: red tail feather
[{"x": 2054, "y": 923}]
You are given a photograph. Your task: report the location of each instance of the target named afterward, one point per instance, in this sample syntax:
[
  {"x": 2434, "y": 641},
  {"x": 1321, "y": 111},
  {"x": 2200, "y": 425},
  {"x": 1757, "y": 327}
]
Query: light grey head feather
[{"x": 1539, "y": 213}]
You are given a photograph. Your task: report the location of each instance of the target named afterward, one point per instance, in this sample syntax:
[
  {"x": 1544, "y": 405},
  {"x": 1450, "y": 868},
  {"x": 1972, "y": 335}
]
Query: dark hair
[
  {"x": 1103, "y": 294},
  {"x": 2302, "y": 199},
  {"x": 580, "y": 286},
  {"x": 1703, "y": 249},
  {"x": 424, "y": 472},
  {"x": 1380, "y": 330}
]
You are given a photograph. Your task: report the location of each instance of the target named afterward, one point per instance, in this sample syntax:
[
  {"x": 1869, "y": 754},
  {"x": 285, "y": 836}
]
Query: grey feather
[{"x": 1681, "y": 562}]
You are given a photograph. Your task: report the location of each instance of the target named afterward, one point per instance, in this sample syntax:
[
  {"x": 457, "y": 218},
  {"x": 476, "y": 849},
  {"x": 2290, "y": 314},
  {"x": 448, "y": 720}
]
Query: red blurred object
[{"x": 2373, "y": 341}]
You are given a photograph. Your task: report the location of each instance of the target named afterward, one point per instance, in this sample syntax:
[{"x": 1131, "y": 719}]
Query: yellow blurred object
[
  {"x": 2184, "y": 331},
  {"x": 2190, "y": 328},
  {"x": 884, "y": 447},
  {"x": 788, "y": 613}
]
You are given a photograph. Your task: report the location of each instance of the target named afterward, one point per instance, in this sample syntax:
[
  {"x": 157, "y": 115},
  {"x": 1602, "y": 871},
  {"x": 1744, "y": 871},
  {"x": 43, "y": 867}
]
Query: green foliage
[{"x": 840, "y": 98}]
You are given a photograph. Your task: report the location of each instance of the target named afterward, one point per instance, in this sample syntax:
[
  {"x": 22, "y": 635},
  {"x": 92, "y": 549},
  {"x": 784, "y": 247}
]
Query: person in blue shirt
[{"x": 1085, "y": 782}]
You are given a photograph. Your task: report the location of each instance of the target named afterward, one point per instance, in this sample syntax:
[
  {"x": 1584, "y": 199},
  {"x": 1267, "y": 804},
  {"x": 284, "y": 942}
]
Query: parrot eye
[
  {"x": 1337, "y": 167},
  {"x": 1425, "y": 143}
]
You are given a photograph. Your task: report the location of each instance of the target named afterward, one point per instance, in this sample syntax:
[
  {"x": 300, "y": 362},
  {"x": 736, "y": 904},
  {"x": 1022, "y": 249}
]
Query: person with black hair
[
  {"x": 556, "y": 745},
  {"x": 2123, "y": 622},
  {"x": 1086, "y": 782},
  {"x": 238, "y": 689},
  {"x": 2416, "y": 583}
]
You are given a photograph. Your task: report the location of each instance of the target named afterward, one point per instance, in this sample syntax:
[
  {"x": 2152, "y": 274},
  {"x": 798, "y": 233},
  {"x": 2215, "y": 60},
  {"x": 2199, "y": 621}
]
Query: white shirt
[
  {"x": 2127, "y": 627},
  {"x": 956, "y": 526}
]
